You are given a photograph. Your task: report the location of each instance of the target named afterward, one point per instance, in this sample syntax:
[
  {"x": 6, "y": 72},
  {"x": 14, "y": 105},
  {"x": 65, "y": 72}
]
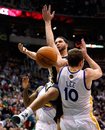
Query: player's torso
[{"x": 75, "y": 96}]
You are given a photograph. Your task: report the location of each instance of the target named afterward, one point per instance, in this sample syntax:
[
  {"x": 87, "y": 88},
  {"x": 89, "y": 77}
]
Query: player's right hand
[
  {"x": 21, "y": 48},
  {"x": 47, "y": 14},
  {"x": 25, "y": 82}
]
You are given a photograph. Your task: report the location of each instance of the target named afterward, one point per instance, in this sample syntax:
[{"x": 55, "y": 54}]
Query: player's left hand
[
  {"x": 25, "y": 82},
  {"x": 21, "y": 48}
]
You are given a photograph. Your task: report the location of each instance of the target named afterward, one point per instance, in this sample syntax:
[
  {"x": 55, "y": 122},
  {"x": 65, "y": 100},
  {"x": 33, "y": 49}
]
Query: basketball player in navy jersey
[{"x": 61, "y": 43}]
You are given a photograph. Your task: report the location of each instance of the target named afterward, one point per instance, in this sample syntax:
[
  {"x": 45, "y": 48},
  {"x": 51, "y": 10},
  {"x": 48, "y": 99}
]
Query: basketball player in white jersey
[
  {"x": 75, "y": 87},
  {"x": 45, "y": 115}
]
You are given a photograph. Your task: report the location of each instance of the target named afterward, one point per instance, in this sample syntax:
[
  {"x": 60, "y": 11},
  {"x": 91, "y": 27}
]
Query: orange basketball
[{"x": 46, "y": 57}]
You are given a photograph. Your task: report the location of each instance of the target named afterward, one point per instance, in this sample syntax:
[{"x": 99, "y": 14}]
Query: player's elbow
[
  {"x": 52, "y": 94},
  {"x": 99, "y": 73},
  {"x": 61, "y": 62}
]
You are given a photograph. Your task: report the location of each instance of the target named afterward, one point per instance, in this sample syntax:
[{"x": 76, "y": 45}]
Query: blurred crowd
[
  {"x": 11, "y": 100},
  {"x": 98, "y": 92},
  {"x": 70, "y": 7}
]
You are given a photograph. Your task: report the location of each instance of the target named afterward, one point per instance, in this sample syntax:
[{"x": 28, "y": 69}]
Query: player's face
[{"x": 61, "y": 44}]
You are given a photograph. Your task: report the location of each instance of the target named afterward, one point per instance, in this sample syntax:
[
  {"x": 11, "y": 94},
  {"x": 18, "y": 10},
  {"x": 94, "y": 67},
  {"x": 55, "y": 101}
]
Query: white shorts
[
  {"x": 79, "y": 123},
  {"x": 45, "y": 125}
]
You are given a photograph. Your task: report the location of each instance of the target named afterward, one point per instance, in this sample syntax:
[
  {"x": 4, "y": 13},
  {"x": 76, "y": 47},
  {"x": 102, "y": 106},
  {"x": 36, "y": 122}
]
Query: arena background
[{"x": 21, "y": 21}]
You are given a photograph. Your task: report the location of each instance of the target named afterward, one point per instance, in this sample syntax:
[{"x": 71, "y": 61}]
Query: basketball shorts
[
  {"x": 40, "y": 125},
  {"x": 79, "y": 123}
]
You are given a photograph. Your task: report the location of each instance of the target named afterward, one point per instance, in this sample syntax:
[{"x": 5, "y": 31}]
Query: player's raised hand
[
  {"x": 46, "y": 13},
  {"x": 21, "y": 48},
  {"x": 83, "y": 47},
  {"x": 25, "y": 82}
]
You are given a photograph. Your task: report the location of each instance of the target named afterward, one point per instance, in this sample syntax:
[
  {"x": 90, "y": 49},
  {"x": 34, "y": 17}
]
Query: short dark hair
[
  {"x": 65, "y": 40},
  {"x": 74, "y": 57}
]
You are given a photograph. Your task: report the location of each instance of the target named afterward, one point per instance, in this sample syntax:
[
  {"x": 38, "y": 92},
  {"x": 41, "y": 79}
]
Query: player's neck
[
  {"x": 74, "y": 69},
  {"x": 64, "y": 53}
]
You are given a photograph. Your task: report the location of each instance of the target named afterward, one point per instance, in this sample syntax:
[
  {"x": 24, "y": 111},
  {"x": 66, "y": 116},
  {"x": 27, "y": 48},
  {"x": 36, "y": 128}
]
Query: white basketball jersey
[
  {"x": 75, "y": 96},
  {"x": 46, "y": 113}
]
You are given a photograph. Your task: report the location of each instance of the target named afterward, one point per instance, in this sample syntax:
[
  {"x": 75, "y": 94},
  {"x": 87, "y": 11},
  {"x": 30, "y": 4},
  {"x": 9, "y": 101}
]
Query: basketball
[{"x": 46, "y": 57}]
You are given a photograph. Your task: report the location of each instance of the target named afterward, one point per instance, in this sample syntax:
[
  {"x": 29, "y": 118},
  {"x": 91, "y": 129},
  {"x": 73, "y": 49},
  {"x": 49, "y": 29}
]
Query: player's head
[
  {"x": 61, "y": 43},
  {"x": 75, "y": 58}
]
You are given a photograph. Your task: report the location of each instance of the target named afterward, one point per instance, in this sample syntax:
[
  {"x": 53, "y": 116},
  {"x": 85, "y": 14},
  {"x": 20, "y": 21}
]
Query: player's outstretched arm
[
  {"x": 94, "y": 72},
  {"x": 24, "y": 50},
  {"x": 40, "y": 101},
  {"x": 47, "y": 17}
]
